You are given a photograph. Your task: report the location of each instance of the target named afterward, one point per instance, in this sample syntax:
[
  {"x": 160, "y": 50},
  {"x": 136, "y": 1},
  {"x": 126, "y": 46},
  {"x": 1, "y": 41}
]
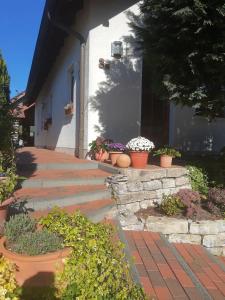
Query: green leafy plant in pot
[
  {"x": 99, "y": 149},
  {"x": 166, "y": 156}
]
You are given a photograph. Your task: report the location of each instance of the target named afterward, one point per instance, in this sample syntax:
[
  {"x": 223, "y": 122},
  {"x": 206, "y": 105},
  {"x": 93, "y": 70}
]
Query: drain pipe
[{"x": 77, "y": 35}]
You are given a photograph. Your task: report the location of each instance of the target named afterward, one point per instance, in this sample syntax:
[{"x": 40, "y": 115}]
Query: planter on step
[
  {"x": 101, "y": 155},
  {"x": 36, "y": 270},
  {"x": 139, "y": 159},
  {"x": 113, "y": 155},
  {"x": 123, "y": 161},
  {"x": 165, "y": 161},
  {"x": 166, "y": 156}
]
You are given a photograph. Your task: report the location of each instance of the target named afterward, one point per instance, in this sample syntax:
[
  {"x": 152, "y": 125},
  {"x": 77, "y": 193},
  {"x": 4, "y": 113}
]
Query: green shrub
[
  {"x": 18, "y": 225},
  {"x": 8, "y": 286},
  {"x": 198, "y": 179},
  {"x": 96, "y": 268},
  {"x": 171, "y": 205},
  {"x": 38, "y": 242}
]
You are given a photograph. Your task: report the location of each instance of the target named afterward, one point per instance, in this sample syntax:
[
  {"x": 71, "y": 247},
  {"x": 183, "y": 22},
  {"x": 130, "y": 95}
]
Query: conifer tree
[
  {"x": 6, "y": 119},
  {"x": 184, "y": 49}
]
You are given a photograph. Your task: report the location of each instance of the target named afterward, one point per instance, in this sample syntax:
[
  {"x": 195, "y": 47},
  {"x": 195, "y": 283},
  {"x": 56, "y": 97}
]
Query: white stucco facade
[{"x": 112, "y": 97}]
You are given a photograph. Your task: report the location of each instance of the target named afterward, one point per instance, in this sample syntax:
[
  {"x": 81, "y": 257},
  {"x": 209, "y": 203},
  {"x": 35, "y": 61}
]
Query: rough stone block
[
  {"x": 204, "y": 227},
  {"x": 129, "y": 219},
  {"x": 176, "y": 172},
  {"x": 212, "y": 241},
  {"x": 138, "y": 227},
  {"x": 185, "y": 238},
  {"x": 182, "y": 181},
  {"x": 133, "y": 207},
  {"x": 221, "y": 225},
  {"x": 147, "y": 203},
  {"x": 136, "y": 196},
  {"x": 120, "y": 188},
  {"x": 216, "y": 251},
  {"x": 134, "y": 186},
  {"x": 152, "y": 185},
  {"x": 168, "y": 183},
  {"x": 166, "y": 225},
  {"x": 144, "y": 175}
]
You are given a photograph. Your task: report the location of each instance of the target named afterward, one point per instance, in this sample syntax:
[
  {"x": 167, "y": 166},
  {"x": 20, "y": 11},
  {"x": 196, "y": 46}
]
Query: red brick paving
[
  {"x": 210, "y": 274},
  {"x": 161, "y": 274},
  {"x": 36, "y": 155}
]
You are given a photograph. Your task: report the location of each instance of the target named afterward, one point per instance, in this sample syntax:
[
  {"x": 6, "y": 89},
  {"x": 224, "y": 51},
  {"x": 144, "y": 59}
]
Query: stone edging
[{"x": 210, "y": 234}]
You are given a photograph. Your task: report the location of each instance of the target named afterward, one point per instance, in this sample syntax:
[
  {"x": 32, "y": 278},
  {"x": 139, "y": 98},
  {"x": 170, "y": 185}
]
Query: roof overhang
[{"x": 49, "y": 42}]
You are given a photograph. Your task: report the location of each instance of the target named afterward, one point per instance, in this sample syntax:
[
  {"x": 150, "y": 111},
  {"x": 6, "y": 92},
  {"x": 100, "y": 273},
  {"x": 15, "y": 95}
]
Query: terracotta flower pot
[
  {"x": 123, "y": 161},
  {"x": 36, "y": 270},
  {"x": 4, "y": 209},
  {"x": 165, "y": 161},
  {"x": 101, "y": 155},
  {"x": 139, "y": 159},
  {"x": 113, "y": 156}
]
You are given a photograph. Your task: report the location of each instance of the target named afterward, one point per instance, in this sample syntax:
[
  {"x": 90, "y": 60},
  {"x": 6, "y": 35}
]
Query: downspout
[{"x": 77, "y": 35}]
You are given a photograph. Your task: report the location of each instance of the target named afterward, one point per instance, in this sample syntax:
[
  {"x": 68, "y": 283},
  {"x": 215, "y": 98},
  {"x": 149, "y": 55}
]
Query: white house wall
[
  {"x": 195, "y": 134},
  {"x": 114, "y": 109},
  {"x": 113, "y": 97}
]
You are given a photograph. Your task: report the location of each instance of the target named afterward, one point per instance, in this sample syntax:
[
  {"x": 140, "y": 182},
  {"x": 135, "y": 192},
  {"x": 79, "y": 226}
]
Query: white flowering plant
[{"x": 140, "y": 144}]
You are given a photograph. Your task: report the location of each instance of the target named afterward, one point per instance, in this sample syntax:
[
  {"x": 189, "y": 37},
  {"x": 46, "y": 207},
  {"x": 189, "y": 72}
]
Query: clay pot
[
  {"x": 101, "y": 155},
  {"x": 123, "y": 161},
  {"x": 139, "y": 159},
  {"x": 113, "y": 157},
  {"x": 36, "y": 270},
  {"x": 165, "y": 161},
  {"x": 4, "y": 209}
]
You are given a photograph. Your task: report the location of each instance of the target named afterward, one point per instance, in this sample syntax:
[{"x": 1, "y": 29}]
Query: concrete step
[
  {"x": 96, "y": 210},
  {"x": 87, "y": 165},
  {"x": 59, "y": 178},
  {"x": 47, "y": 198}
]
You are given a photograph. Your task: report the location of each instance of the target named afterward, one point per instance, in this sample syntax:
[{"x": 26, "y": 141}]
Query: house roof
[{"x": 49, "y": 42}]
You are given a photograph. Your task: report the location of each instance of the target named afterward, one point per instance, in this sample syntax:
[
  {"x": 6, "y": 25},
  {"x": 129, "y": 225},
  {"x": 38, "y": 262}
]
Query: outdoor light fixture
[{"x": 117, "y": 49}]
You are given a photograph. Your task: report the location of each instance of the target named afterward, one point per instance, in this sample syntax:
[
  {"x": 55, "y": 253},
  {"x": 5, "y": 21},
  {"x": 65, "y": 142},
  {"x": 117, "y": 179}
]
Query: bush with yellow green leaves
[{"x": 8, "y": 286}]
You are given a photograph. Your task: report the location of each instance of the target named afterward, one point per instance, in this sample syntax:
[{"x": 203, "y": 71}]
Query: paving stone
[
  {"x": 221, "y": 225},
  {"x": 166, "y": 225},
  {"x": 176, "y": 172},
  {"x": 185, "y": 238},
  {"x": 217, "y": 240},
  {"x": 138, "y": 227},
  {"x": 152, "y": 185},
  {"x": 144, "y": 175},
  {"x": 204, "y": 227},
  {"x": 182, "y": 180},
  {"x": 135, "y": 186}
]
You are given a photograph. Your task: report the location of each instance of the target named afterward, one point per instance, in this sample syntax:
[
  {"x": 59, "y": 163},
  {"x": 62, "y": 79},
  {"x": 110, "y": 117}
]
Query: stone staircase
[{"x": 54, "y": 179}]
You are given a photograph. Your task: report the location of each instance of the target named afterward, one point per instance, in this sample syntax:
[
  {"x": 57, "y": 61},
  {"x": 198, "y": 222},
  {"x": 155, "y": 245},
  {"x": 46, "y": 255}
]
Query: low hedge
[{"x": 96, "y": 268}]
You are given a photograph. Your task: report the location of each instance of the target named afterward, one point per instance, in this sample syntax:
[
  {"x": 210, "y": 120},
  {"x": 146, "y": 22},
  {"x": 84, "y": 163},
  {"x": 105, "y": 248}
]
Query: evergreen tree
[
  {"x": 184, "y": 48},
  {"x": 6, "y": 118}
]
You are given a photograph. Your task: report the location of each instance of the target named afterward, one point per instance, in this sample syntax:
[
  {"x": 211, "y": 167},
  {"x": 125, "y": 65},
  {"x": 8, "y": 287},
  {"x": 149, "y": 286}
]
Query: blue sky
[{"x": 19, "y": 26}]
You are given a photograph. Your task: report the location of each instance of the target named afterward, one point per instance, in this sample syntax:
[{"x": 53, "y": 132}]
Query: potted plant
[
  {"x": 166, "y": 156},
  {"x": 139, "y": 149},
  {"x": 33, "y": 249},
  {"x": 99, "y": 149},
  {"x": 68, "y": 109},
  {"x": 115, "y": 150},
  {"x": 8, "y": 181}
]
